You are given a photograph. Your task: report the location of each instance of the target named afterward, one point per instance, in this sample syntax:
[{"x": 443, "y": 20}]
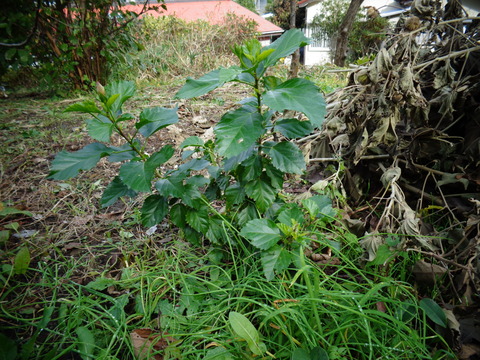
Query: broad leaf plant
[{"x": 243, "y": 168}]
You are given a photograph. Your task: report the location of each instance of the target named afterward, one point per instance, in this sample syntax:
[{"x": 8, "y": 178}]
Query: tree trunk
[
  {"x": 344, "y": 31},
  {"x": 296, "y": 55}
]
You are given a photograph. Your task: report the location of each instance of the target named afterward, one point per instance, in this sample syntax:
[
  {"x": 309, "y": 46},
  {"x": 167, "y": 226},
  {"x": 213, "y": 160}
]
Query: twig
[
  {"x": 417, "y": 191},
  {"x": 366, "y": 157},
  {"x": 445, "y": 57},
  {"x": 440, "y": 258}
]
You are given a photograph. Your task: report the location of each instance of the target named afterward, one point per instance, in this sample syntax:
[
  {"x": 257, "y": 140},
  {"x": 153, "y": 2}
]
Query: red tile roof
[{"x": 213, "y": 11}]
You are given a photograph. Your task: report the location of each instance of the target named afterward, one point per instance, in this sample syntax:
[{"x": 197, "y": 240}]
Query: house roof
[{"x": 213, "y": 11}]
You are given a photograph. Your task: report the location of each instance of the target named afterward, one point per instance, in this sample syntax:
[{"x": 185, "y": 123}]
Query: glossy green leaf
[
  {"x": 154, "y": 209},
  {"x": 85, "y": 343},
  {"x": 434, "y": 312},
  {"x": 207, "y": 83},
  {"x": 178, "y": 213},
  {"x": 171, "y": 186},
  {"x": 245, "y": 329},
  {"x": 125, "y": 90},
  {"x": 300, "y": 95},
  {"x": 285, "y": 45},
  {"x": 276, "y": 176},
  {"x": 100, "y": 128},
  {"x": 237, "y": 131},
  {"x": 262, "y": 192},
  {"x": 275, "y": 260},
  {"x": 287, "y": 157},
  {"x": 67, "y": 164},
  {"x": 250, "y": 169},
  {"x": 293, "y": 128},
  {"x": 87, "y": 106},
  {"x": 22, "y": 261},
  {"x": 262, "y": 233},
  {"x": 114, "y": 191},
  {"x": 234, "y": 194},
  {"x": 192, "y": 141},
  {"x": 124, "y": 152},
  {"x": 136, "y": 176},
  {"x": 198, "y": 219},
  {"x": 160, "y": 157},
  {"x": 154, "y": 119}
]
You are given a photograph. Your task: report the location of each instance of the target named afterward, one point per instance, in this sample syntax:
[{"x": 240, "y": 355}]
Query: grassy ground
[{"x": 80, "y": 282}]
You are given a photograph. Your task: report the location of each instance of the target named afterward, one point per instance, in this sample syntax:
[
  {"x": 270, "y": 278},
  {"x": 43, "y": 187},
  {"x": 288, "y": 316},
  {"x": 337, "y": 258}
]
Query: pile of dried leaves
[{"x": 407, "y": 129}]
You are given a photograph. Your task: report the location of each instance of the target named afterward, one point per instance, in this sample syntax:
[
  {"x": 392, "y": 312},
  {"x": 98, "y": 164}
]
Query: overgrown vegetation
[
  {"x": 258, "y": 272},
  {"x": 73, "y": 43},
  {"x": 173, "y": 47}
]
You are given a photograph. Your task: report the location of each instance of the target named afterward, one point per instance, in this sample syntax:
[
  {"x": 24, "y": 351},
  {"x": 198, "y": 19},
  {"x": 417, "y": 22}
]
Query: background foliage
[{"x": 366, "y": 35}]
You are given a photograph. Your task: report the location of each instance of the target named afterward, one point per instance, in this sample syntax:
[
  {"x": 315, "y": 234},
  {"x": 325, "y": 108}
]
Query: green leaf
[
  {"x": 286, "y": 157},
  {"x": 154, "y": 119},
  {"x": 262, "y": 192},
  {"x": 100, "y": 283},
  {"x": 136, "y": 176},
  {"x": 9, "y": 210},
  {"x": 100, "y": 128},
  {"x": 178, "y": 213},
  {"x": 300, "y": 95},
  {"x": 171, "y": 186},
  {"x": 319, "y": 353},
  {"x": 262, "y": 233},
  {"x": 285, "y": 45},
  {"x": 325, "y": 208},
  {"x": 275, "y": 260},
  {"x": 124, "y": 152},
  {"x": 434, "y": 312},
  {"x": 237, "y": 131},
  {"x": 247, "y": 212},
  {"x": 198, "y": 219},
  {"x": 207, "y": 82},
  {"x": 8, "y": 348},
  {"x": 22, "y": 261},
  {"x": 154, "y": 209},
  {"x": 218, "y": 353},
  {"x": 85, "y": 343},
  {"x": 114, "y": 191},
  {"x": 382, "y": 256},
  {"x": 125, "y": 90},
  {"x": 300, "y": 354},
  {"x": 293, "y": 213},
  {"x": 160, "y": 157},
  {"x": 293, "y": 128},
  {"x": 192, "y": 141},
  {"x": 250, "y": 169},
  {"x": 245, "y": 329},
  {"x": 275, "y": 175},
  {"x": 67, "y": 165},
  {"x": 87, "y": 106},
  {"x": 234, "y": 194}
]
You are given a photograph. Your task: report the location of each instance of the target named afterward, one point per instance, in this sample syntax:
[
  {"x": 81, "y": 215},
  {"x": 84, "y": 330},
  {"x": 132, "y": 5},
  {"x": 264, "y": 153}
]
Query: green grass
[{"x": 188, "y": 294}]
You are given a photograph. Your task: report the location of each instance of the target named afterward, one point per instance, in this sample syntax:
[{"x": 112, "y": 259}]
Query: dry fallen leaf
[{"x": 147, "y": 344}]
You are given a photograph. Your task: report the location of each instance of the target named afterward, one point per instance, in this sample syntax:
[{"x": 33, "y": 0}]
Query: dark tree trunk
[
  {"x": 344, "y": 31},
  {"x": 296, "y": 55}
]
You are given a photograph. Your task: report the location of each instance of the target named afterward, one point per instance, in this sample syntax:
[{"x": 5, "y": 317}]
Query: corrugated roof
[{"x": 213, "y": 11}]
